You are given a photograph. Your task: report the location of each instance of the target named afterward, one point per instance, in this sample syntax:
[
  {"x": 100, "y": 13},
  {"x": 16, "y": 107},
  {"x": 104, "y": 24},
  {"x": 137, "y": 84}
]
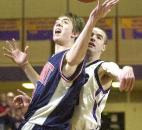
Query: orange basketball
[{"x": 86, "y": 1}]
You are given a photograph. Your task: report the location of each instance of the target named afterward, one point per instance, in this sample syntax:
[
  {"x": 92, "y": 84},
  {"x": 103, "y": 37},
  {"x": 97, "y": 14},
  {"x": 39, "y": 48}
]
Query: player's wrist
[{"x": 23, "y": 65}]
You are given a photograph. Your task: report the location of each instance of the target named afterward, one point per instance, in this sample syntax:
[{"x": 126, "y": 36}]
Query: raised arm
[
  {"x": 77, "y": 53},
  {"x": 21, "y": 59},
  {"x": 110, "y": 71}
]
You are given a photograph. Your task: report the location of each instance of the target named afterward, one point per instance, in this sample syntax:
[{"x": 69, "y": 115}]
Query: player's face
[
  {"x": 97, "y": 40},
  {"x": 63, "y": 30}
]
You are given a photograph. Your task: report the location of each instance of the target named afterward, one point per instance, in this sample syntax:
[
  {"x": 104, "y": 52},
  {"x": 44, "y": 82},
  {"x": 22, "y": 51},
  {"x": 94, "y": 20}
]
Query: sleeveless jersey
[
  {"x": 87, "y": 115},
  {"x": 55, "y": 96}
]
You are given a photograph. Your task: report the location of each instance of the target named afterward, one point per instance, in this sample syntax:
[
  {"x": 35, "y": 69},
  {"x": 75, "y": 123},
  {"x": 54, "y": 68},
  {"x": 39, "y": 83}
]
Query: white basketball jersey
[{"x": 87, "y": 115}]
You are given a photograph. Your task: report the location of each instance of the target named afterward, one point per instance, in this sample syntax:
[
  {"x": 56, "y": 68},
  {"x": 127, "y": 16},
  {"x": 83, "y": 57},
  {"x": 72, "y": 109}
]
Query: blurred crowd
[{"x": 10, "y": 116}]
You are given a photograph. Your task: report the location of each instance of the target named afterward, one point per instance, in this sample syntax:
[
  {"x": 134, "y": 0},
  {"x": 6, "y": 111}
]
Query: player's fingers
[
  {"x": 20, "y": 91},
  {"x": 6, "y": 50},
  {"x": 129, "y": 85},
  {"x": 13, "y": 43},
  {"x": 17, "y": 98},
  {"x": 110, "y": 4},
  {"x": 133, "y": 81},
  {"x": 122, "y": 84},
  {"x": 26, "y": 49},
  {"x": 9, "y": 45},
  {"x": 8, "y": 55},
  {"x": 105, "y": 2}
]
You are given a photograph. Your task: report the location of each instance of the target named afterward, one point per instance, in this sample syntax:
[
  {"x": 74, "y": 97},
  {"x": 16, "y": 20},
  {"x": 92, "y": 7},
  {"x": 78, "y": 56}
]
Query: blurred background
[{"x": 30, "y": 22}]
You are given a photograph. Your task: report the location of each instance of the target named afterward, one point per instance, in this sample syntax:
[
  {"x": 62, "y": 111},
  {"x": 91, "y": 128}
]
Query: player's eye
[
  {"x": 65, "y": 21},
  {"x": 99, "y": 37}
]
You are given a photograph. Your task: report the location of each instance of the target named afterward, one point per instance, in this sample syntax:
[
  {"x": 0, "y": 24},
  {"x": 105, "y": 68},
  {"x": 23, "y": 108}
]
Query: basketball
[{"x": 86, "y": 1}]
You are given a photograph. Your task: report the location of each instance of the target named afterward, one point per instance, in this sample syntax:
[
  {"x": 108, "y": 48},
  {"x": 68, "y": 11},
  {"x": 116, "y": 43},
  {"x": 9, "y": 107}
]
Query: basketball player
[
  {"x": 94, "y": 93},
  {"x": 54, "y": 99},
  {"x": 60, "y": 80}
]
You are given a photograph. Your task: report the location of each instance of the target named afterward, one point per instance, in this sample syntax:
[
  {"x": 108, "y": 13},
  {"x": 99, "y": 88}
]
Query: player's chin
[
  {"x": 58, "y": 41},
  {"x": 56, "y": 38},
  {"x": 90, "y": 49}
]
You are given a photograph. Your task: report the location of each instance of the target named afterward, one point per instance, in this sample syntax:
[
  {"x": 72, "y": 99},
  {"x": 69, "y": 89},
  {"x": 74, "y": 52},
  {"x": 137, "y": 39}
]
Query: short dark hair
[
  {"x": 106, "y": 39},
  {"x": 78, "y": 22}
]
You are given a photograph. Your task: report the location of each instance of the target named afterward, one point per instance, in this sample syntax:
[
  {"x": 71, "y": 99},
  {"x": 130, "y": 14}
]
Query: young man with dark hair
[
  {"x": 59, "y": 82},
  {"x": 95, "y": 91}
]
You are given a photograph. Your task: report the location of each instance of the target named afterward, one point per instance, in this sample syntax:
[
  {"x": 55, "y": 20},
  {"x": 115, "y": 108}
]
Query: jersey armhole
[
  {"x": 77, "y": 72},
  {"x": 98, "y": 80}
]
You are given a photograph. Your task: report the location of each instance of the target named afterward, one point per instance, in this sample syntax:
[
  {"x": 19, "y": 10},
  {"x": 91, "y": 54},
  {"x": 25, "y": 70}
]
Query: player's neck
[
  {"x": 59, "y": 48},
  {"x": 92, "y": 58}
]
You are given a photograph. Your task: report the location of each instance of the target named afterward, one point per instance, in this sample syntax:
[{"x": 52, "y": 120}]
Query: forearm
[
  {"x": 78, "y": 51},
  {"x": 32, "y": 75},
  {"x": 112, "y": 70}
]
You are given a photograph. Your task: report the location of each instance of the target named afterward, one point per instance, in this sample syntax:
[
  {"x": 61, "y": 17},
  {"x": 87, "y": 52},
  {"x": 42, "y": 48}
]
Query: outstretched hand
[
  {"x": 127, "y": 79},
  {"x": 15, "y": 54},
  {"x": 22, "y": 100},
  {"x": 102, "y": 10}
]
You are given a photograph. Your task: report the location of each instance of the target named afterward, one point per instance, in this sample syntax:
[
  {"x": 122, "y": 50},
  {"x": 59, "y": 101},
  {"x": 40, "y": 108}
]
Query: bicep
[
  {"x": 67, "y": 69},
  {"x": 71, "y": 72},
  {"x": 110, "y": 69}
]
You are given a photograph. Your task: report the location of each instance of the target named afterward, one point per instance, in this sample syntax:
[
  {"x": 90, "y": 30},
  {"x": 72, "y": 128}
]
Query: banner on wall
[
  {"x": 9, "y": 29},
  {"x": 131, "y": 28},
  {"x": 39, "y": 29},
  {"x": 107, "y": 25}
]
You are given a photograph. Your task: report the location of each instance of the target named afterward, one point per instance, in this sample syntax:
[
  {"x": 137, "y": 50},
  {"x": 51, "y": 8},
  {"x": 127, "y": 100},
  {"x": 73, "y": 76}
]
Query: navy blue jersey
[{"x": 55, "y": 96}]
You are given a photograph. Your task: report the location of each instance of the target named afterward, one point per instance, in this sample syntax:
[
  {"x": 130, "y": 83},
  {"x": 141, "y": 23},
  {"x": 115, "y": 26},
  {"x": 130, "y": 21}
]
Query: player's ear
[
  {"x": 74, "y": 35},
  {"x": 104, "y": 48}
]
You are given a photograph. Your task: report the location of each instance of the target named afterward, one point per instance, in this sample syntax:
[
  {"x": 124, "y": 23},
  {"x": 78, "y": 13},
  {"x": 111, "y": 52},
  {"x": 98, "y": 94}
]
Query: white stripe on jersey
[
  {"x": 83, "y": 118},
  {"x": 41, "y": 114},
  {"x": 28, "y": 126}
]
